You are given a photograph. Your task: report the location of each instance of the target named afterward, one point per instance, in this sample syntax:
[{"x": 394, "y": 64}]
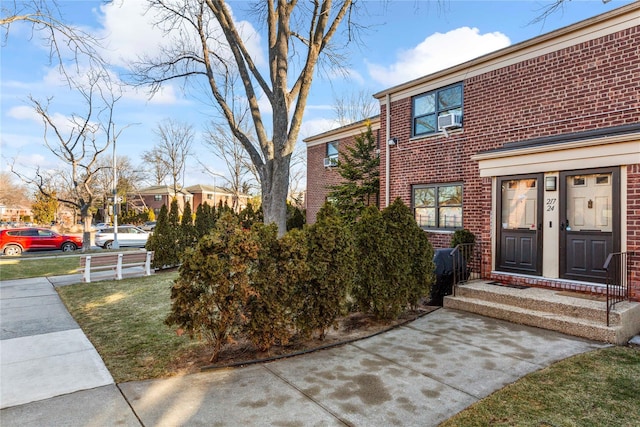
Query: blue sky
[{"x": 405, "y": 40}]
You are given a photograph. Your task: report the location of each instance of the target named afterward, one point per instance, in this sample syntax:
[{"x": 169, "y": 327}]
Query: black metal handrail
[
  {"x": 618, "y": 277},
  {"x": 467, "y": 263}
]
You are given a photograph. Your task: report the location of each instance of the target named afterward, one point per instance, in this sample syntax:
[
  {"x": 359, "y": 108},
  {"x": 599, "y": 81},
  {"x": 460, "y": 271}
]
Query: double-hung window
[
  {"x": 332, "y": 154},
  {"x": 438, "y": 206},
  {"x": 157, "y": 197},
  {"x": 427, "y": 107}
]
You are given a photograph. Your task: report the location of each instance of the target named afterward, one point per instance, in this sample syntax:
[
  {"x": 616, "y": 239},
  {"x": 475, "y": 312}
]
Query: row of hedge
[
  {"x": 175, "y": 231},
  {"x": 247, "y": 283}
]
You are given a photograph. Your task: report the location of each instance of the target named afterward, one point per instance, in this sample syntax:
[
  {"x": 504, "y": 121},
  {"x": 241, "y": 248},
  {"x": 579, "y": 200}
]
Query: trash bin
[{"x": 443, "y": 285}]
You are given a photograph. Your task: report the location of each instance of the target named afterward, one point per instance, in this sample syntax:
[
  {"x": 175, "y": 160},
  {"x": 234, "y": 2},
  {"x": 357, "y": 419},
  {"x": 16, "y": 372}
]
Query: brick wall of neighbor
[
  {"x": 588, "y": 86},
  {"x": 317, "y": 187}
]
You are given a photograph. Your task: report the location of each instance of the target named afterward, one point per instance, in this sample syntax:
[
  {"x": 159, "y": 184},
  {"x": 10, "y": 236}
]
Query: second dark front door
[
  {"x": 589, "y": 222},
  {"x": 520, "y": 224}
]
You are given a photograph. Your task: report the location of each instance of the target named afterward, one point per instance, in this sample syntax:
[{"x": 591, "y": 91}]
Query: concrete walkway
[{"x": 419, "y": 374}]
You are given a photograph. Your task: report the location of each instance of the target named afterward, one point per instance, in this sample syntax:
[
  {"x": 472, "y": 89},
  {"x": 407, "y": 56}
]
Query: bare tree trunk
[{"x": 274, "y": 192}]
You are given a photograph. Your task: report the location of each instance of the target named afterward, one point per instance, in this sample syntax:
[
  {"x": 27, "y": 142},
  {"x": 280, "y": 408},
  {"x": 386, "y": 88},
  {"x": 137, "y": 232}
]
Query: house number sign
[{"x": 551, "y": 205}]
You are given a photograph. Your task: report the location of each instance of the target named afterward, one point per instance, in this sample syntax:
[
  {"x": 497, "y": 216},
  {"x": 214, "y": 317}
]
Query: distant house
[
  {"x": 535, "y": 148},
  {"x": 156, "y": 196},
  {"x": 213, "y": 196},
  {"x": 14, "y": 213}
]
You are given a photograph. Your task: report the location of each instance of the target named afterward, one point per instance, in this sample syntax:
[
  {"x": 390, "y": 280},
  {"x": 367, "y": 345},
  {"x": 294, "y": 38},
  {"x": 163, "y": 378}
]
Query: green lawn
[
  {"x": 599, "y": 388},
  {"x": 30, "y": 266},
  {"x": 124, "y": 321}
]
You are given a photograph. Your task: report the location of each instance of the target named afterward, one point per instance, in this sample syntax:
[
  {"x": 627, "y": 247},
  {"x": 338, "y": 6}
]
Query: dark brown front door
[
  {"x": 589, "y": 222},
  {"x": 520, "y": 224}
]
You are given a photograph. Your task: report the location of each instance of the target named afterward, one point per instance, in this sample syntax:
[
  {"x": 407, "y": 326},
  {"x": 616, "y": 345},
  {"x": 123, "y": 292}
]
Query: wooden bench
[{"x": 115, "y": 262}]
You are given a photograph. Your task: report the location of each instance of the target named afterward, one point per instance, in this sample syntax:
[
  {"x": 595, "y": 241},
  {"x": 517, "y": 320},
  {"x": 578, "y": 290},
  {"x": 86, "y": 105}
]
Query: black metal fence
[
  {"x": 467, "y": 263},
  {"x": 618, "y": 278}
]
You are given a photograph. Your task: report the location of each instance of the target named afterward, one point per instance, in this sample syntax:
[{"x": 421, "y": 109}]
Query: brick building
[
  {"x": 156, "y": 196},
  {"x": 323, "y": 152},
  {"x": 535, "y": 148}
]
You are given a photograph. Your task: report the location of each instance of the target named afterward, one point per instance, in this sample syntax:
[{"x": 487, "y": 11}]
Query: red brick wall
[
  {"x": 320, "y": 178},
  {"x": 588, "y": 86}
]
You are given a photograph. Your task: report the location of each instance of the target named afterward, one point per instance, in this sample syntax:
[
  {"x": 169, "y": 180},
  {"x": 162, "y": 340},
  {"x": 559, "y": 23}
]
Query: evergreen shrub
[{"x": 213, "y": 287}]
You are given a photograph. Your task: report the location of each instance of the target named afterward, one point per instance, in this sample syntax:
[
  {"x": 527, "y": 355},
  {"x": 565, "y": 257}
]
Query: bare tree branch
[{"x": 66, "y": 43}]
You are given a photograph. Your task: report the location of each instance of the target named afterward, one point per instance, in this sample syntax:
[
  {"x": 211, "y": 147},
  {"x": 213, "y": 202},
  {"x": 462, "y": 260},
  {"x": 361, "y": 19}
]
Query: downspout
[{"x": 387, "y": 165}]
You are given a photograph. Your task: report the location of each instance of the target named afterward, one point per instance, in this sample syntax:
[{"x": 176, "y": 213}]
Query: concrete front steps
[{"x": 566, "y": 312}]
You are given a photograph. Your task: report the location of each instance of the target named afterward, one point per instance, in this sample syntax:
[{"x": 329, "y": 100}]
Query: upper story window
[
  {"x": 209, "y": 196},
  {"x": 438, "y": 205},
  {"x": 332, "y": 149},
  {"x": 429, "y": 106},
  {"x": 331, "y": 158},
  {"x": 157, "y": 197}
]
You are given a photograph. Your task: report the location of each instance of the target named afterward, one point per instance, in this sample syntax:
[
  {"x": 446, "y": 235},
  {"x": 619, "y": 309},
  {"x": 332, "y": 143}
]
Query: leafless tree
[
  {"x": 354, "y": 107},
  {"x": 129, "y": 177},
  {"x": 168, "y": 158},
  {"x": 78, "y": 144},
  {"x": 298, "y": 175},
  {"x": 209, "y": 46},
  {"x": 155, "y": 166},
  {"x": 67, "y": 44},
  {"x": 226, "y": 147}
]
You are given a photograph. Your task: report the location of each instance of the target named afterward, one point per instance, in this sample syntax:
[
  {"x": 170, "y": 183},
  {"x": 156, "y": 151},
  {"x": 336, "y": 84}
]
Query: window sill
[{"x": 436, "y": 135}]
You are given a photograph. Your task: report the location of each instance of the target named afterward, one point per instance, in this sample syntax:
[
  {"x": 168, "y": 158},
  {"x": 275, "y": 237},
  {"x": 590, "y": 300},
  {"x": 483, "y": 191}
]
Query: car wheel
[
  {"x": 108, "y": 244},
  {"x": 68, "y": 247},
  {"x": 12, "y": 250}
]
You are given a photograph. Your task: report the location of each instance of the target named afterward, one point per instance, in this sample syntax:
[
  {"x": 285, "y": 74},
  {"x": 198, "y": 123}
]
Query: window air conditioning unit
[
  {"x": 330, "y": 161},
  {"x": 449, "y": 121}
]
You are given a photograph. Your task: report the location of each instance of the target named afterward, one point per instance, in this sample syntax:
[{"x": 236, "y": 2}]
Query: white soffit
[{"x": 595, "y": 153}]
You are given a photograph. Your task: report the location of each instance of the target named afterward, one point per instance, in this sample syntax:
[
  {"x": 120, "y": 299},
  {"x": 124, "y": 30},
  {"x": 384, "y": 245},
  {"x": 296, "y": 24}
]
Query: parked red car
[{"x": 16, "y": 240}]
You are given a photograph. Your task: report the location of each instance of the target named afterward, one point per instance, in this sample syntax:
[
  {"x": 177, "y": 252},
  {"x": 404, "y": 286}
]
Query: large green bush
[
  {"x": 373, "y": 291},
  {"x": 187, "y": 235},
  {"x": 205, "y": 220},
  {"x": 162, "y": 242},
  {"x": 409, "y": 254},
  {"x": 209, "y": 296},
  {"x": 331, "y": 265},
  {"x": 276, "y": 276}
]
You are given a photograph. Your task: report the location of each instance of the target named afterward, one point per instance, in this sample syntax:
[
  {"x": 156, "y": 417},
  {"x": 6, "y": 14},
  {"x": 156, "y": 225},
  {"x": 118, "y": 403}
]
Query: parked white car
[{"x": 128, "y": 236}]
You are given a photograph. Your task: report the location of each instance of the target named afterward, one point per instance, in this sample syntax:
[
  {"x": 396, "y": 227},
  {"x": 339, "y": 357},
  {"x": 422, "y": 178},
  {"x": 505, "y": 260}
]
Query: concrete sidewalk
[
  {"x": 43, "y": 352},
  {"x": 419, "y": 374}
]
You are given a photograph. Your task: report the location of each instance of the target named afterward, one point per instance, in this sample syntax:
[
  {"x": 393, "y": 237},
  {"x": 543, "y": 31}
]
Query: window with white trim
[
  {"x": 157, "y": 197},
  {"x": 438, "y": 206},
  {"x": 427, "y": 107}
]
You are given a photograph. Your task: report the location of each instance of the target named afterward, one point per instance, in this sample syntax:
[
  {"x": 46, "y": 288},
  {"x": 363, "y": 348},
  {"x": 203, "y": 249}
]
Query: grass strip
[
  {"x": 24, "y": 267},
  {"x": 124, "y": 321},
  {"x": 599, "y": 388}
]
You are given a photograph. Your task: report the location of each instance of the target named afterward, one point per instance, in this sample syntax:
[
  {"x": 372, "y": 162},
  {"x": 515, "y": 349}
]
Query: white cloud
[
  {"x": 23, "y": 112},
  {"x": 63, "y": 122},
  {"x": 166, "y": 95},
  {"x": 316, "y": 126},
  {"x": 13, "y": 141},
  {"x": 437, "y": 52},
  {"x": 129, "y": 31}
]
